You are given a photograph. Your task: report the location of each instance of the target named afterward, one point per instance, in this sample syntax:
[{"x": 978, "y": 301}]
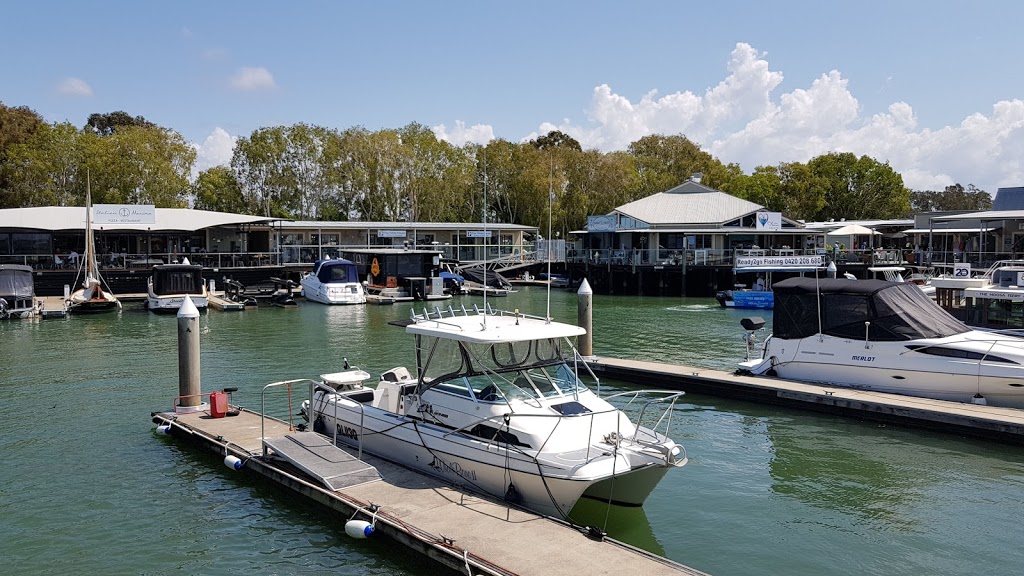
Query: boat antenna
[
  {"x": 484, "y": 326},
  {"x": 547, "y": 244}
]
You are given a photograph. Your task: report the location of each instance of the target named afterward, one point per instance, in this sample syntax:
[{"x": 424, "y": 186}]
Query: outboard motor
[{"x": 752, "y": 325}]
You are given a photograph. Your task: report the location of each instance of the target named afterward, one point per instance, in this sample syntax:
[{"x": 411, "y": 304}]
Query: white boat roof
[{"x": 506, "y": 328}]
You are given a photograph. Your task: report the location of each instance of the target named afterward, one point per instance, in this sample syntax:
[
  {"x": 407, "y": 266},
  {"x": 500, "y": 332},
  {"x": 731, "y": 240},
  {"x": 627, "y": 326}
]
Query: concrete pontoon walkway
[
  {"x": 991, "y": 422},
  {"x": 426, "y": 514}
]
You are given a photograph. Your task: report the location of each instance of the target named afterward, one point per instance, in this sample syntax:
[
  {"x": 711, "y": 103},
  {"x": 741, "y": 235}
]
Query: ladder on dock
[{"x": 317, "y": 456}]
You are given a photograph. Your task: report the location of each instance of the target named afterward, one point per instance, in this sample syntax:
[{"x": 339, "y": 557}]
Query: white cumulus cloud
[
  {"x": 74, "y": 87},
  {"x": 461, "y": 134},
  {"x": 216, "y": 150},
  {"x": 249, "y": 79},
  {"x": 744, "y": 119}
]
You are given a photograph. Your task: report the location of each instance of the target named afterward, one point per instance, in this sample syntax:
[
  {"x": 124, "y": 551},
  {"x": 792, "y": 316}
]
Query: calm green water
[{"x": 86, "y": 486}]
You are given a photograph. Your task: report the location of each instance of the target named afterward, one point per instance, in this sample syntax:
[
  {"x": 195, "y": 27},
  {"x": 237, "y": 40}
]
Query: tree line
[{"x": 308, "y": 172}]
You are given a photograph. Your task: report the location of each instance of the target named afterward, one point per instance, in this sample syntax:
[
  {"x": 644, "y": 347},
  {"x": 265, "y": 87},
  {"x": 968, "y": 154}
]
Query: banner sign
[
  {"x": 478, "y": 234},
  {"x": 390, "y": 233},
  {"x": 814, "y": 261},
  {"x": 606, "y": 223},
  {"x": 769, "y": 221},
  {"x": 962, "y": 270},
  {"x": 123, "y": 214}
]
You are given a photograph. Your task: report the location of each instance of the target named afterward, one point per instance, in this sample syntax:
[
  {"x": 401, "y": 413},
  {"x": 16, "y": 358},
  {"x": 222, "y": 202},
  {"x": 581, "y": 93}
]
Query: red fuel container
[{"x": 218, "y": 404}]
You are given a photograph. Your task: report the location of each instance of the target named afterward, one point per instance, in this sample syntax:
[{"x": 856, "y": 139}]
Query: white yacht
[
  {"x": 170, "y": 283},
  {"x": 885, "y": 337},
  {"x": 497, "y": 408},
  {"x": 333, "y": 282}
]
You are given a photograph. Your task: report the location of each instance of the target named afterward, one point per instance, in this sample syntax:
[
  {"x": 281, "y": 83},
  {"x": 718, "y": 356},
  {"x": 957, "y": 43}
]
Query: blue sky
[{"x": 935, "y": 88}]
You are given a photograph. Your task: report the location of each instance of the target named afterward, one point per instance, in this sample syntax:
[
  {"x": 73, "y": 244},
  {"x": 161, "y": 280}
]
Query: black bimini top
[{"x": 897, "y": 310}]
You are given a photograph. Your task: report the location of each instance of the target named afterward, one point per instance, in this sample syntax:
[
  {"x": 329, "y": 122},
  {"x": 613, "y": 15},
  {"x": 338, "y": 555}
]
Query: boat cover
[
  {"x": 177, "y": 279},
  {"x": 16, "y": 280},
  {"x": 896, "y": 311},
  {"x": 334, "y": 271}
]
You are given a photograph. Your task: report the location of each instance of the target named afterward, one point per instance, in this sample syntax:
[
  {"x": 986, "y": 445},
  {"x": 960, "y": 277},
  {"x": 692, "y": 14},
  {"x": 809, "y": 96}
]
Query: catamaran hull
[
  {"x": 468, "y": 463},
  {"x": 630, "y": 489}
]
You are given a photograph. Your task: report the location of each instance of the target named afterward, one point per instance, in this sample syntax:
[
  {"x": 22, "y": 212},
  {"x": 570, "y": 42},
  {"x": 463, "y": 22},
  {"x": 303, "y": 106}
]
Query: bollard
[
  {"x": 585, "y": 319},
  {"x": 831, "y": 270},
  {"x": 188, "y": 355}
]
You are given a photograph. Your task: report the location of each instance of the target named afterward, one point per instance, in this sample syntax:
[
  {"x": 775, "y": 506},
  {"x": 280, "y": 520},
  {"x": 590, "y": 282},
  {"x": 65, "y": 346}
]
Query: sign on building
[
  {"x": 605, "y": 223},
  {"x": 769, "y": 221},
  {"x": 123, "y": 214},
  {"x": 478, "y": 234},
  {"x": 390, "y": 233}
]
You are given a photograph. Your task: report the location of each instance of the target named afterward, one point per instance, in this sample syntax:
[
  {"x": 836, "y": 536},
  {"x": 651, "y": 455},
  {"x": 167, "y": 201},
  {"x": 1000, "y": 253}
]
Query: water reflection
[{"x": 630, "y": 525}]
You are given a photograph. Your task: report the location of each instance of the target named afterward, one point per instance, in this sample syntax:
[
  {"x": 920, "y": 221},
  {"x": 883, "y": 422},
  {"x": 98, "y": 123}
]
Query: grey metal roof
[
  {"x": 53, "y": 218},
  {"x": 688, "y": 203},
  {"x": 866, "y": 223},
  {"x": 357, "y": 225},
  {"x": 1009, "y": 199},
  {"x": 986, "y": 215}
]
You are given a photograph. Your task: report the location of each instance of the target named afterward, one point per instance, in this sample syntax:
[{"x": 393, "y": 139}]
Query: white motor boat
[
  {"x": 333, "y": 282},
  {"x": 884, "y": 337},
  {"x": 17, "y": 292},
  {"x": 170, "y": 283},
  {"x": 497, "y": 408}
]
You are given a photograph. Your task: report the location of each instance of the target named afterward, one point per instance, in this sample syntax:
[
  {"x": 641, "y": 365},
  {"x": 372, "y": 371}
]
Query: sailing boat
[{"x": 91, "y": 297}]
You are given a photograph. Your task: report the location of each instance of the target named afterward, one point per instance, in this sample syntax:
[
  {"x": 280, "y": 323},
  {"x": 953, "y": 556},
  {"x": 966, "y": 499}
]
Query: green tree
[
  {"x": 140, "y": 165},
  {"x": 664, "y": 162},
  {"x": 17, "y": 125},
  {"x": 803, "y": 193},
  {"x": 556, "y": 139},
  {"x": 109, "y": 123},
  {"x": 953, "y": 197},
  {"x": 47, "y": 169},
  {"x": 859, "y": 188},
  {"x": 262, "y": 175},
  {"x": 217, "y": 189}
]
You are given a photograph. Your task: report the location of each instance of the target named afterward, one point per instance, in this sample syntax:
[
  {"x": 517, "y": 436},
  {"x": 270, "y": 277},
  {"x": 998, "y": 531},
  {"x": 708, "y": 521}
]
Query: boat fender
[
  {"x": 233, "y": 462},
  {"x": 358, "y": 529},
  {"x": 163, "y": 429},
  {"x": 512, "y": 494}
]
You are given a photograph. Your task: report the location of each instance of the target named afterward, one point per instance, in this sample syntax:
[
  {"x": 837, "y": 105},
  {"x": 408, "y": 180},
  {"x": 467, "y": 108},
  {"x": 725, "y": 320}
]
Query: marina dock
[
  {"x": 990, "y": 422},
  {"x": 466, "y": 533}
]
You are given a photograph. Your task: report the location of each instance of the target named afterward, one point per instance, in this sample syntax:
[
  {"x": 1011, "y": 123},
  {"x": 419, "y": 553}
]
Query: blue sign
[{"x": 753, "y": 299}]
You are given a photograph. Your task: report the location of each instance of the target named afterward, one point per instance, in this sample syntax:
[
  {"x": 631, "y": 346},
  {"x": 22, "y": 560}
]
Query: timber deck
[{"x": 456, "y": 529}]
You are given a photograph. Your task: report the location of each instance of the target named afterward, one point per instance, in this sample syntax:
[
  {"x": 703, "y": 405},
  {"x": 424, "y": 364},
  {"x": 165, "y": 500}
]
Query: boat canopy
[
  {"x": 334, "y": 271},
  {"x": 16, "y": 280},
  {"x": 897, "y": 312},
  {"x": 177, "y": 279}
]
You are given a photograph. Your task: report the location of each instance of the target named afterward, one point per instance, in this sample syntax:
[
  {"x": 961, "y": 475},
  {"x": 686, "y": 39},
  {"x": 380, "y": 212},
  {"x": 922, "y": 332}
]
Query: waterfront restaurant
[
  {"x": 49, "y": 238},
  {"x": 683, "y": 240}
]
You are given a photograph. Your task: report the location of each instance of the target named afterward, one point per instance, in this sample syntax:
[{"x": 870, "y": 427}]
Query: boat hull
[
  {"x": 894, "y": 368},
  {"x": 332, "y": 293},
  {"x": 171, "y": 304},
  {"x": 468, "y": 463}
]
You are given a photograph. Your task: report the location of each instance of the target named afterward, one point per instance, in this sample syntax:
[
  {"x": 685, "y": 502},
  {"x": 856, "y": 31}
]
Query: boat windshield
[{"x": 496, "y": 372}]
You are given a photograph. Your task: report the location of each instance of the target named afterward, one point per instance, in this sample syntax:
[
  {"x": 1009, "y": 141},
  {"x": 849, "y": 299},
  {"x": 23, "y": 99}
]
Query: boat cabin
[
  {"x": 17, "y": 290},
  {"x": 336, "y": 271},
  {"x": 858, "y": 309},
  {"x": 177, "y": 279}
]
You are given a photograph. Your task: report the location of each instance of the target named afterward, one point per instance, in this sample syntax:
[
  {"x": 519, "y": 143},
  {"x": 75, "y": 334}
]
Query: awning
[{"x": 951, "y": 230}]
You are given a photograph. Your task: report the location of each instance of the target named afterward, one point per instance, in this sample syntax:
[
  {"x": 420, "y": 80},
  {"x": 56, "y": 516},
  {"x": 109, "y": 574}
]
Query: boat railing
[
  {"x": 263, "y": 403},
  {"x": 438, "y": 314},
  {"x": 330, "y": 392},
  {"x": 666, "y": 417}
]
